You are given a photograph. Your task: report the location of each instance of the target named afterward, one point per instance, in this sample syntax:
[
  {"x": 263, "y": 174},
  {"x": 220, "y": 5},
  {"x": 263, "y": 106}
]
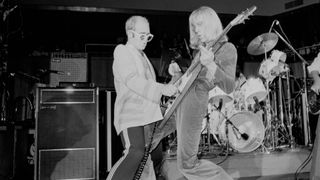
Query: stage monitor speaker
[
  {"x": 68, "y": 67},
  {"x": 67, "y": 134}
]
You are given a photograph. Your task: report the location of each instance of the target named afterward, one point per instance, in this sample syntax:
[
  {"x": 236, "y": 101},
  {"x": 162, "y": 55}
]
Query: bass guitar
[{"x": 187, "y": 79}]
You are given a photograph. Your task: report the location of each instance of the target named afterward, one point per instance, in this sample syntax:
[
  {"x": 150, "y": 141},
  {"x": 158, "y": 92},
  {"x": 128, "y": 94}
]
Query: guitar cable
[{"x": 144, "y": 160}]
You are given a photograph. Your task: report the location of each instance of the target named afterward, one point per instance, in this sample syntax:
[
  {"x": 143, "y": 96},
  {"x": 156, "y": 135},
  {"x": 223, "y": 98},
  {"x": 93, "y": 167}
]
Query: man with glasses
[{"x": 138, "y": 99}]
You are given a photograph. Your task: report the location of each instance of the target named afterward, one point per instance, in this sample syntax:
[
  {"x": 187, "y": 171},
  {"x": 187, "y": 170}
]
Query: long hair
[{"x": 212, "y": 24}]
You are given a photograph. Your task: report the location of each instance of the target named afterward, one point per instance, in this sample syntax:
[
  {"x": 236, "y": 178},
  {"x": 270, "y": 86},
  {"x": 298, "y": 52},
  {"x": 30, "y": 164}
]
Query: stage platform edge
[{"x": 281, "y": 164}]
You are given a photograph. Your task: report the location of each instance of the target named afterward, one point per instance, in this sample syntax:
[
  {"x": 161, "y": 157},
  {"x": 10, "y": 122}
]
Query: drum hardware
[
  {"x": 207, "y": 128},
  {"x": 292, "y": 142},
  {"x": 280, "y": 106},
  {"x": 171, "y": 145},
  {"x": 304, "y": 93},
  {"x": 271, "y": 68},
  {"x": 208, "y": 145},
  {"x": 269, "y": 131},
  {"x": 276, "y": 133}
]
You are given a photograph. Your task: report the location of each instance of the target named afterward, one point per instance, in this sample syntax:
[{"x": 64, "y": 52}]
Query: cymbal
[{"x": 262, "y": 43}]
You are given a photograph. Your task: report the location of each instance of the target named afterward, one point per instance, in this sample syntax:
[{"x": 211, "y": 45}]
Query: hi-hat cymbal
[{"x": 262, "y": 43}]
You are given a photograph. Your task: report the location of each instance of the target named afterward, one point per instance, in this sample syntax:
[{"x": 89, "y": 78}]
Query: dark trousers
[{"x": 133, "y": 140}]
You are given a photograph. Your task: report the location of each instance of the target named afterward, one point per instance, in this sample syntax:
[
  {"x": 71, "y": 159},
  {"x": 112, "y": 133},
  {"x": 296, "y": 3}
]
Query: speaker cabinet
[
  {"x": 67, "y": 134},
  {"x": 68, "y": 67}
]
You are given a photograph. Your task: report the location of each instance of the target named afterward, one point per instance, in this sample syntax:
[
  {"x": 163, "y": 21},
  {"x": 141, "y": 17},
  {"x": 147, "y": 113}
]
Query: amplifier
[{"x": 68, "y": 67}]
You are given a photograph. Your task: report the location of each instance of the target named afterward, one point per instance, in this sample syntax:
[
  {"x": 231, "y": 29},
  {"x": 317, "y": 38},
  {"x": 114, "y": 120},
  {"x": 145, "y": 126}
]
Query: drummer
[
  {"x": 238, "y": 103},
  {"x": 240, "y": 78}
]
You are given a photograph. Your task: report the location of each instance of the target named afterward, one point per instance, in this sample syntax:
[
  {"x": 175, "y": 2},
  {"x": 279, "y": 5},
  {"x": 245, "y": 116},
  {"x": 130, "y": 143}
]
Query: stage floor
[{"x": 281, "y": 164}]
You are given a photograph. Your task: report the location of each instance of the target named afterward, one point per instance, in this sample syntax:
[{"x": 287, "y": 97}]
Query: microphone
[
  {"x": 272, "y": 24},
  {"x": 51, "y": 71},
  {"x": 220, "y": 104},
  {"x": 245, "y": 136}
]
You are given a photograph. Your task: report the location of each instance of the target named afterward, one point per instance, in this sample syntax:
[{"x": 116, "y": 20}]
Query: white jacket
[{"x": 138, "y": 93}]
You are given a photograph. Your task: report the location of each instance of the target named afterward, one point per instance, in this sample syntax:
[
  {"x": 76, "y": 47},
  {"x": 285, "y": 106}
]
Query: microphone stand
[
  {"x": 244, "y": 136},
  {"x": 305, "y": 107}
]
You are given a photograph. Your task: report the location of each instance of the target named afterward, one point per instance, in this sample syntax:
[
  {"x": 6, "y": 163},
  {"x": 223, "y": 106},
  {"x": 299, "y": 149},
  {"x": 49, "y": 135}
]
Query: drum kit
[
  {"x": 245, "y": 120},
  {"x": 257, "y": 115}
]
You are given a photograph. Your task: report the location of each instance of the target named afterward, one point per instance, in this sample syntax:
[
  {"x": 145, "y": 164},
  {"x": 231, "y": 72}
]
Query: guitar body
[
  {"x": 179, "y": 98},
  {"x": 314, "y": 102}
]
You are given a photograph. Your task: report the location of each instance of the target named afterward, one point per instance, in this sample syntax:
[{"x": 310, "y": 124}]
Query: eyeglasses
[{"x": 144, "y": 36}]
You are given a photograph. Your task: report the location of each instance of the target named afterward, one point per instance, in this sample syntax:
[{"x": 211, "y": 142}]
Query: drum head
[
  {"x": 249, "y": 123},
  {"x": 216, "y": 94},
  {"x": 254, "y": 87}
]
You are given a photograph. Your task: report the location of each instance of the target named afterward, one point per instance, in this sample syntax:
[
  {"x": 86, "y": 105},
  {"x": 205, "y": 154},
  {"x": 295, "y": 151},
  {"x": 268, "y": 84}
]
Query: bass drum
[{"x": 247, "y": 122}]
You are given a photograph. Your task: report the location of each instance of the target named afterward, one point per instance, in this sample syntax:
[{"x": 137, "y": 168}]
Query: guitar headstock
[{"x": 243, "y": 16}]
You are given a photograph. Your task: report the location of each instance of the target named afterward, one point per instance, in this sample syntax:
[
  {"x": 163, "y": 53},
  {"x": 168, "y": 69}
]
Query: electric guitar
[{"x": 187, "y": 79}]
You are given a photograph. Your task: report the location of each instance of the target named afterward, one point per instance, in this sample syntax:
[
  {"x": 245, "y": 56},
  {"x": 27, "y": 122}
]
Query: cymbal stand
[
  {"x": 269, "y": 135},
  {"x": 289, "y": 123},
  {"x": 280, "y": 127},
  {"x": 208, "y": 129},
  {"x": 306, "y": 127}
]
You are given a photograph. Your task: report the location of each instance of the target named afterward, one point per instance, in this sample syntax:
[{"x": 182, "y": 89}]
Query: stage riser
[{"x": 254, "y": 165}]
